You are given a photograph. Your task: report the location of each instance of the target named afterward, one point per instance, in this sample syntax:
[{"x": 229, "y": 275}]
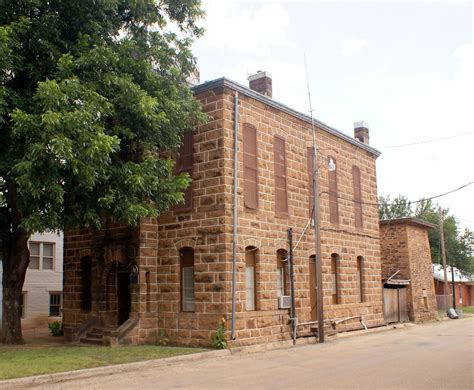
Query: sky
[{"x": 405, "y": 67}]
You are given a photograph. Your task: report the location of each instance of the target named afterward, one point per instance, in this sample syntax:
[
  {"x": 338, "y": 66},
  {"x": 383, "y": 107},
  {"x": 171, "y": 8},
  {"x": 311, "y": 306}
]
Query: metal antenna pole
[{"x": 317, "y": 230}]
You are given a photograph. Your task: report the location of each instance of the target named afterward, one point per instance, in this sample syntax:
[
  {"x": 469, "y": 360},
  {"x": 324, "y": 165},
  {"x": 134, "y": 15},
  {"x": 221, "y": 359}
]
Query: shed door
[{"x": 395, "y": 304}]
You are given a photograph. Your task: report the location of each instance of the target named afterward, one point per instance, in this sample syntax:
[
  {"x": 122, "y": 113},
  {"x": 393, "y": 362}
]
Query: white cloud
[
  {"x": 352, "y": 46},
  {"x": 245, "y": 28}
]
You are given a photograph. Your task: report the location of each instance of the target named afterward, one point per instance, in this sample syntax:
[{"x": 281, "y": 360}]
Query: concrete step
[{"x": 91, "y": 340}]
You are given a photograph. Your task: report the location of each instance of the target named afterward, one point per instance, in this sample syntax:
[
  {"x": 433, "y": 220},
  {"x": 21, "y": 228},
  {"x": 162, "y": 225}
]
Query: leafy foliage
[
  {"x": 218, "y": 339},
  {"x": 459, "y": 244},
  {"x": 55, "y": 328},
  {"x": 91, "y": 94}
]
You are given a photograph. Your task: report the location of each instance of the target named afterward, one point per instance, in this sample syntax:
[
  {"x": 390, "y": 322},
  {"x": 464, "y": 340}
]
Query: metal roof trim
[{"x": 225, "y": 82}]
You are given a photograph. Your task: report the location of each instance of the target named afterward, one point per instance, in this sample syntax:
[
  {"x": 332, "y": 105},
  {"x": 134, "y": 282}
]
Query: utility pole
[
  {"x": 443, "y": 254},
  {"x": 454, "y": 290}
]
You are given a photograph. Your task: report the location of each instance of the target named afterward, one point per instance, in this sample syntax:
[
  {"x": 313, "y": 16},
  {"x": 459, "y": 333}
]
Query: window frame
[
  {"x": 251, "y": 263},
  {"x": 335, "y": 285},
  {"x": 284, "y": 212},
  {"x": 282, "y": 287},
  {"x": 333, "y": 194},
  {"x": 357, "y": 192},
  {"x": 185, "y": 164},
  {"x": 186, "y": 264},
  {"x": 58, "y": 305},
  {"x": 360, "y": 279},
  {"x": 250, "y": 163},
  {"x": 41, "y": 256}
]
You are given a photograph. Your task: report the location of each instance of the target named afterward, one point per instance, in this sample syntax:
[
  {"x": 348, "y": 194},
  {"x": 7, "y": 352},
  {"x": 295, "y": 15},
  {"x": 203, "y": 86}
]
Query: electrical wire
[
  {"x": 423, "y": 142},
  {"x": 409, "y": 202}
]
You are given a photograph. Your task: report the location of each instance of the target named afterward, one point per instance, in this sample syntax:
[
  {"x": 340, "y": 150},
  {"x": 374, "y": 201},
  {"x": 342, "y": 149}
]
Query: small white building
[{"x": 42, "y": 290}]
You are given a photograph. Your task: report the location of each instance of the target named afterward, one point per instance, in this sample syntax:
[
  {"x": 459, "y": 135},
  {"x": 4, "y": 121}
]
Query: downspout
[
  {"x": 234, "y": 211},
  {"x": 293, "y": 319}
]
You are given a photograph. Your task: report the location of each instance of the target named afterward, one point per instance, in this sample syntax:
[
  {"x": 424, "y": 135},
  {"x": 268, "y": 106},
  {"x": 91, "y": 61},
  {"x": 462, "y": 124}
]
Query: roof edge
[
  {"x": 407, "y": 221},
  {"x": 225, "y": 82}
]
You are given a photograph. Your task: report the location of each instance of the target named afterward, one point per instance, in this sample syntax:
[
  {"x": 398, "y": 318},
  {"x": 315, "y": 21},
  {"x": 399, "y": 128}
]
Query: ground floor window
[
  {"x": 187, "y": 279},
  {"x": 54, "y": 304},
  {"x": 250, "y": 296}
]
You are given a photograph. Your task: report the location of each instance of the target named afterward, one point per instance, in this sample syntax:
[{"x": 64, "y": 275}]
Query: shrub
[
  {"x": 55, "y": 328},
  {"x": 218, "y": 340}
]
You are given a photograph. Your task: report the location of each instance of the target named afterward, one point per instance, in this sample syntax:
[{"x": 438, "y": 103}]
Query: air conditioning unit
[{"x": 284, "y": 302}]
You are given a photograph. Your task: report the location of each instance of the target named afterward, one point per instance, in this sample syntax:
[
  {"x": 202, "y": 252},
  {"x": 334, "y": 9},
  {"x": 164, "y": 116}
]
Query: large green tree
[{"x": 93, "y": 95}]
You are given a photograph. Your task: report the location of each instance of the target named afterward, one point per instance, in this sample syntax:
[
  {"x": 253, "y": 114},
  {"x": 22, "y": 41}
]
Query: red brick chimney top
[{"x": 261, "y": 82}]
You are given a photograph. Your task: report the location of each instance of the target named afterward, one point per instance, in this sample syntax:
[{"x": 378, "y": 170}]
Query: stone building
[
  {"x": 173, "y": 276},
  {"x": 407, "y": 267}
]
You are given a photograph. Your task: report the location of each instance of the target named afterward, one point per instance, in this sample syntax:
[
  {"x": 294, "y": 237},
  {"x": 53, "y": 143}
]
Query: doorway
[
  {"x": 123, "y": 296},
  {"x": 312, "y": 287}
]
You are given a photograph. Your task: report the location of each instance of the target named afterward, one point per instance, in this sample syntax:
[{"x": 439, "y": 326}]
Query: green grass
[
  {"x": 20, "y": 361},
  {"x": 469, "y": 309}
]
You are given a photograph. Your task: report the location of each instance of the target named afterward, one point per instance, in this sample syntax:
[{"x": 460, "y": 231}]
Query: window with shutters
[
  {"x": 360, "y": 278},
  {"x": 184, "y": 163},
  {"x": 335, "y": 279},
  {"x": 187, "y": 279},
  {"x": 282, "y": 283},
  {"x": 250, "y": 167},
  {"x": 281, "y": 196},
  {"x": 357, "y": 197},
  {"x": 310, "y": 167},
  {"x": 250, "y": 290},
  {"x": 333, "y": 196}
]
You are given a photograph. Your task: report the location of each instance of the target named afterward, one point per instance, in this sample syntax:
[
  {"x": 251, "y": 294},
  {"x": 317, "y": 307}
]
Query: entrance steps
[{"x": 95, "y": 335}]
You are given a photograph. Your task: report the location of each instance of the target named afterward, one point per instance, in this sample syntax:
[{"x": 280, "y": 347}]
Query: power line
[
  {"x": 424, "y": 142},
  {"x": 408, "y": 202}
]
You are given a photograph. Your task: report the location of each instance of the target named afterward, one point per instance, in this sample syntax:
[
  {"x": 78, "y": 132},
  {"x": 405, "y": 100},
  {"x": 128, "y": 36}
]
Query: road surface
[{"x": 433, "y": 356}]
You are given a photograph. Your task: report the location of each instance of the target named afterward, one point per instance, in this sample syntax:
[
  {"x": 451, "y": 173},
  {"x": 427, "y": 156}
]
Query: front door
[
  {"x": 123, "y": 296},
  {"x": 312, "y": 288}
]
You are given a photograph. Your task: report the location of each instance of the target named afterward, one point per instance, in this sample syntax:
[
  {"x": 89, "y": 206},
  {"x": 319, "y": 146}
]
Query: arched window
[
  {"x": 86, "y": 283},
  {"x": 335, "y": 279},
  {"x": 282, "y": 282},
  {"x": 360, "y": 278},
  {"x": 250, "y": 289},
  {"x": 187, "y": 278}
]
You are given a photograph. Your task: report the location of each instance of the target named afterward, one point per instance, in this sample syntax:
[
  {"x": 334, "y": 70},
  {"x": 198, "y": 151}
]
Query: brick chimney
[
  {"x": 261, "y": 83},
  {"x": 361, "y": 132}
]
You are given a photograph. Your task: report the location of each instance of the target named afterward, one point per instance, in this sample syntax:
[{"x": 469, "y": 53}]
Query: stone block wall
[{"x": 405, "y": 247}]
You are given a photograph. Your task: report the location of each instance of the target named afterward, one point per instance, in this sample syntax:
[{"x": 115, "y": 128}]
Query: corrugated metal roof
[{"x": 459, "y": 276}]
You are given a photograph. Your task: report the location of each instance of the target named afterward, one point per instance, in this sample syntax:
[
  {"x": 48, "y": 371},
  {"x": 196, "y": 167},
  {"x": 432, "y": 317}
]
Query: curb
[{"x": 107, "y": 370}]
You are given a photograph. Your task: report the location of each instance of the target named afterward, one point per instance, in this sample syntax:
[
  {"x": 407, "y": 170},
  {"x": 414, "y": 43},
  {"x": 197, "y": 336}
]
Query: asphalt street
[{"x": 433, "y": 356}]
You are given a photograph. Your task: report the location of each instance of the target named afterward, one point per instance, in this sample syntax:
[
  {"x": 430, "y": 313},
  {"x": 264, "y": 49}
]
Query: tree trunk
[{"x": 15, "y": 264}]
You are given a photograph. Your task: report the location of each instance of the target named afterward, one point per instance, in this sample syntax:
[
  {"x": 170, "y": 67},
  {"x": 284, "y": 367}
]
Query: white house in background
[{"x": 42, "y": 290}]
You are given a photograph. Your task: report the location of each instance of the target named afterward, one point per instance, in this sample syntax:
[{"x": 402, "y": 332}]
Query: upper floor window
[
  {"x": 333, "y": 195},
  {"x": 281, "y": 195},
  {"x": 184, "y": 163},
  {"x": 310, "y": 162},
  {"x": 41, "y": 256},
  {"x": 356, "y": 185},
  {"x": 250, "y": 167}
]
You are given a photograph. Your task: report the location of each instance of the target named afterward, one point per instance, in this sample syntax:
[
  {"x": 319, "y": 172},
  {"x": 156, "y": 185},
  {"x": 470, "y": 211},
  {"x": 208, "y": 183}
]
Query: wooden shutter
[
  {"x": 357, "y": 196},
  {"x": 184, "y": 163},
  {"x": 281, "y": 196},
  {"x": 333, "y": 196},
  {"x": 250, "y": 167},
  {"x": 310, "y": 162}
]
